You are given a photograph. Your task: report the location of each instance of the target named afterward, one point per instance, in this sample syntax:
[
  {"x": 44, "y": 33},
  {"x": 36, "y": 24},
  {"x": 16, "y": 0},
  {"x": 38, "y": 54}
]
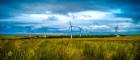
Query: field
[{"x": 61, "y": 47}]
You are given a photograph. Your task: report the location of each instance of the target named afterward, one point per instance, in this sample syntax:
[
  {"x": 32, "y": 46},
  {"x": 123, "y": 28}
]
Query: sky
[{"x": 54, "y": 16}]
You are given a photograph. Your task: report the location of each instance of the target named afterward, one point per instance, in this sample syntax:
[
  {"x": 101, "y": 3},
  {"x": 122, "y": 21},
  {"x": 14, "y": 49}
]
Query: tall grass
[{"x": 68, "y": 50}]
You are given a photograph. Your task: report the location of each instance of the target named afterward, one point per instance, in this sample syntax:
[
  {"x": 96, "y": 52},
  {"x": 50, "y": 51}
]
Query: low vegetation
[{"x": 105, "y": 48}]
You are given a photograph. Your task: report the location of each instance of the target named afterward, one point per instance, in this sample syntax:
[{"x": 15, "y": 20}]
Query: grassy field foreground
[{"x": 110, "y": 48}]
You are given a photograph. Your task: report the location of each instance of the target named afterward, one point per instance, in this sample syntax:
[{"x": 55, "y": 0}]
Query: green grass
[{"x": 14, "y": 47}]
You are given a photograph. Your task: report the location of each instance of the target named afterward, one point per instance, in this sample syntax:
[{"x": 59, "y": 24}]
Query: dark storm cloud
[{"x": 9, "y": 8}]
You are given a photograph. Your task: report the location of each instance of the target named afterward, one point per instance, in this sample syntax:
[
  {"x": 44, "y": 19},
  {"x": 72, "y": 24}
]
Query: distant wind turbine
[
  {"x": 80, "y": 31},
  {"x": 71, "y": 29},
  {"x": 116, "y": 28}
]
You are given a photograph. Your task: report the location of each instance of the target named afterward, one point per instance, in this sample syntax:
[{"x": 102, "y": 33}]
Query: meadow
[{"x": 61, "y": 47}]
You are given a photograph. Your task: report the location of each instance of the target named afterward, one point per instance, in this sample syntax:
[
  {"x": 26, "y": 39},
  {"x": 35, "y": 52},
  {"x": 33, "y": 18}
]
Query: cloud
[
  {"x": 48, "y": 13},
  {"x": 31, "y": 17},
  {"x": 11, "y": 8},
  {"x": 89, "y": 15},
  {"x": 54, "y": 15}
]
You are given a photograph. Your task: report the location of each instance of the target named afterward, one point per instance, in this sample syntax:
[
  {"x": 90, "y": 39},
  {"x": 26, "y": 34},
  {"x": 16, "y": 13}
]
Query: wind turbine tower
[
  {"x": 116, "y": 30},
  {"x": 70, "y": 28},
  {"x": 80, "y": 31}
]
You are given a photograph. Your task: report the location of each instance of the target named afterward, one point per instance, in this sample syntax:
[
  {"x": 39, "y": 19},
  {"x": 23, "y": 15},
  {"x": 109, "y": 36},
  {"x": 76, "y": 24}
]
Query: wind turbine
[
  {"x": 80, "y": 31},
  {"x": 71, "y": 29},
  {"x": 116, "y": 28}
]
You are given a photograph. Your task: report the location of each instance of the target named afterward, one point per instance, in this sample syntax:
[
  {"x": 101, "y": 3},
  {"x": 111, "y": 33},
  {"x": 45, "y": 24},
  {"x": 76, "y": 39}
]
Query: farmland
[{"x": 62, "y": 47}]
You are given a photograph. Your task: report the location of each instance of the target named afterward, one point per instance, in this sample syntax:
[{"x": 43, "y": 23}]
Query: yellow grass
[{"x": 112, "y": 48}]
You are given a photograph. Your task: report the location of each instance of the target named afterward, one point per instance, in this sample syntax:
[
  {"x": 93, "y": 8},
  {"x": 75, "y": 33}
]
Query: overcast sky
[{"x": 53, "y": 16}]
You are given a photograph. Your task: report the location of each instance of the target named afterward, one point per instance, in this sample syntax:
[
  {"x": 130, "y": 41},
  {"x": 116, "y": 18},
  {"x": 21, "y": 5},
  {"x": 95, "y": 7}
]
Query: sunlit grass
[{"x": 71, "y": 49}]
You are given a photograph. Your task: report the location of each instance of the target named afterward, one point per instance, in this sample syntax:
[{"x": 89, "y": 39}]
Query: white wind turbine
[
  {"x": 116, "y": 28},
  {"x": 80, "y": 30},
  {"x": 71, "y": 29}
]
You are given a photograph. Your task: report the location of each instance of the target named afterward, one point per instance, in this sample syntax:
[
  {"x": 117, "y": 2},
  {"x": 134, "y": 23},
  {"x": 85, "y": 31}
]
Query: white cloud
[
  {"x": 60, "y": 17},
  {"x": 37, "y": 18},
  {"x": 101, "y": 27},
  {"x": 89, "y": 15},
  {"x": 119, "y": 19},
  {"x": 107, "y": 20}
]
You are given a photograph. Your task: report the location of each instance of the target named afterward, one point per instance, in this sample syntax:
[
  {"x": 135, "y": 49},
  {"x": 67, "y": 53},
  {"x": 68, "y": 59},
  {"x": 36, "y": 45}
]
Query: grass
[{"x": 14, "y": 47}]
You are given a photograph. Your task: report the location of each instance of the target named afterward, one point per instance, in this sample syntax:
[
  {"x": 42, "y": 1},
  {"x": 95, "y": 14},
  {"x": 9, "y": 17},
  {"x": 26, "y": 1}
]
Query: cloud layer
[{"x": 53, "y": 16}]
